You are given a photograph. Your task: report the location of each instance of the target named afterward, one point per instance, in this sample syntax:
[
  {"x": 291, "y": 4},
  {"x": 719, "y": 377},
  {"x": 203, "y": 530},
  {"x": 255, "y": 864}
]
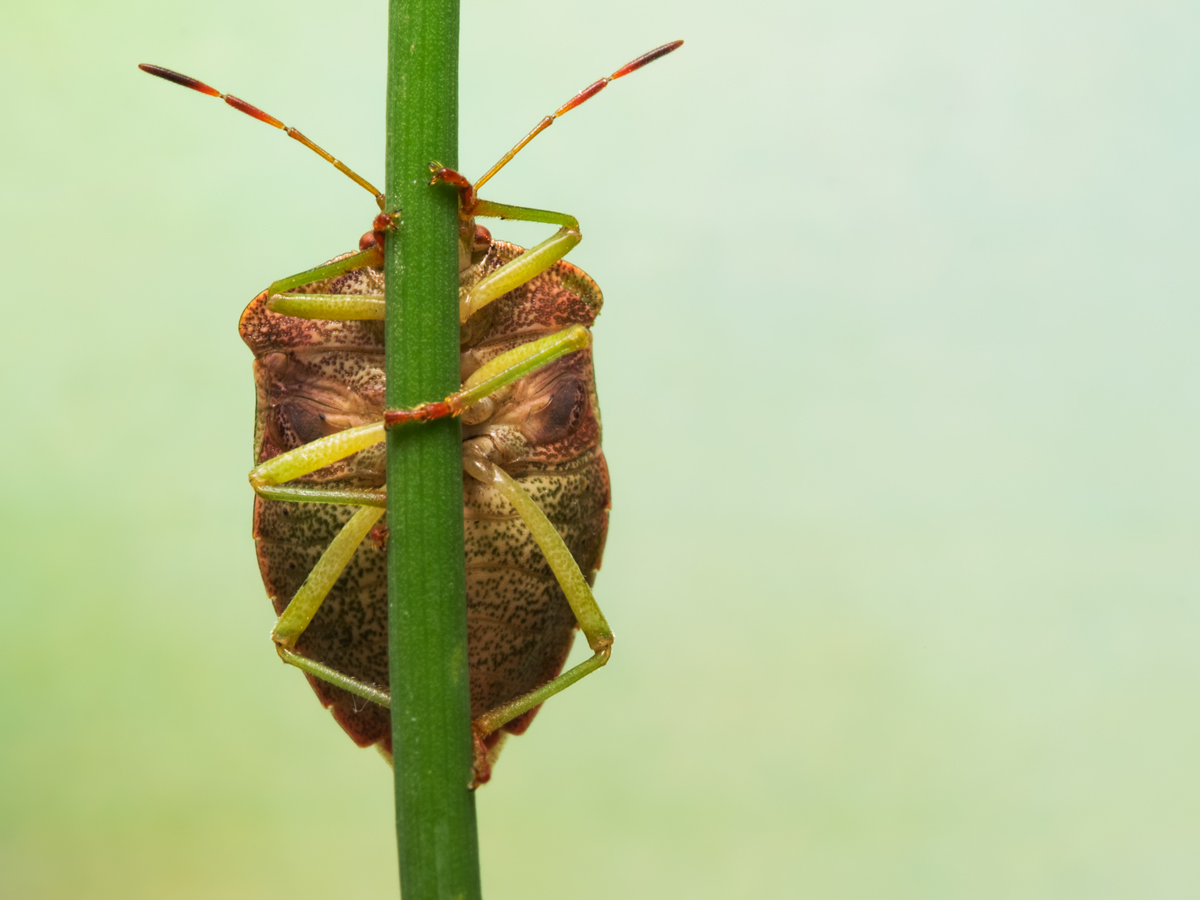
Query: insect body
[{"x": 535, "y": 485}]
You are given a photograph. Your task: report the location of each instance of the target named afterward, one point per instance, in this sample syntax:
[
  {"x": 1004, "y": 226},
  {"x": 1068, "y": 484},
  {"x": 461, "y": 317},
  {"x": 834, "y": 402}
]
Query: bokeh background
[{"x": 900, "y": 395}]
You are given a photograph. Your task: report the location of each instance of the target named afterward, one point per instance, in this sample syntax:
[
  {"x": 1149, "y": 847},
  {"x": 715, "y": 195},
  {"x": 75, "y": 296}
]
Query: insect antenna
[
  {"x": 254, "y": 112},
  {"x": 586, "y": 94}
]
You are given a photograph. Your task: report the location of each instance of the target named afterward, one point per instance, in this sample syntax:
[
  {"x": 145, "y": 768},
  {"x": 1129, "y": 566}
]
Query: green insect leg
[
  {"x": 335, "y": 307},
  {"x": 289, "y": 493},
  {"x": 268, "y": 481},
  {"x": 312, "y": 456},
  {"x": 307, "y": 600},
  {"x": 370, "y": 257},
  {"x": 572, "y": 581},
  {"x": 495, "y": 374},
  {"x": 529, "y": 264}
]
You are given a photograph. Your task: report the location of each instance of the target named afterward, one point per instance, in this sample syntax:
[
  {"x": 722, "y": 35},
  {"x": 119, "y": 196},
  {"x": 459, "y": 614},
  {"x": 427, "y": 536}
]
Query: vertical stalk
[{"x": 435, "y": 813}]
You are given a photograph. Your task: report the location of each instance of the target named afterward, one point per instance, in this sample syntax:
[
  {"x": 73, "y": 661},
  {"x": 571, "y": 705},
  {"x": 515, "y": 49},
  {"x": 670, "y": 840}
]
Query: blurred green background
[{"x": 900, "y": 397}]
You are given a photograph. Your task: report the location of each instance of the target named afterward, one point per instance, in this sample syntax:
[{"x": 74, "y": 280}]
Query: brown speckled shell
[{"x": 316, "y": 377}]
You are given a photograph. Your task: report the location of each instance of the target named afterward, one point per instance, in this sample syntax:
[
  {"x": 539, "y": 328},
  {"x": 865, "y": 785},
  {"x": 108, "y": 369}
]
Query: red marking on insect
[
  {"x": 427, "y": 412},
  {"x": 483, "y": 238},
  {"x": 379, "y": 535},
  {"x": 379, "y": 227}
]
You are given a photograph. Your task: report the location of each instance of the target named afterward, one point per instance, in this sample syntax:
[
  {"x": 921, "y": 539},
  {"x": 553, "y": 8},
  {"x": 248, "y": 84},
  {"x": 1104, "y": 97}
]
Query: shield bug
[{"x": 535, "y": 484}]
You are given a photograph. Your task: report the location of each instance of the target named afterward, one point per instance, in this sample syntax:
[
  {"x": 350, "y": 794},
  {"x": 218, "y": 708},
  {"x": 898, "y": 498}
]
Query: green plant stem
[{"x": 431, "y": 737}]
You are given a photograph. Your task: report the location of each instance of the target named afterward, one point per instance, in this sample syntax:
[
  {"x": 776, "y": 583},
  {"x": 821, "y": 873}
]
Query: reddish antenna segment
[
  {"x": 586, "y": 94},
  {"x": 253, "y": 111}
]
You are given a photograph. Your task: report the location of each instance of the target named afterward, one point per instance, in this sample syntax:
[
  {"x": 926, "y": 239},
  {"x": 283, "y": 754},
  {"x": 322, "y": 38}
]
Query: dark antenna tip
[
  {"x": 177, "y": 78},
  {"x": 586, "y": 94},
  {"x": 255, "y": 113}
]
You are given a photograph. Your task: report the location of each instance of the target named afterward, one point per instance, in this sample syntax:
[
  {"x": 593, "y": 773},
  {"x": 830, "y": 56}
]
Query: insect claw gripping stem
[
  {"x": 426, "y": 412},
  {"x": 466, "y": 191},
  {"x": 254, "y": 112}
]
